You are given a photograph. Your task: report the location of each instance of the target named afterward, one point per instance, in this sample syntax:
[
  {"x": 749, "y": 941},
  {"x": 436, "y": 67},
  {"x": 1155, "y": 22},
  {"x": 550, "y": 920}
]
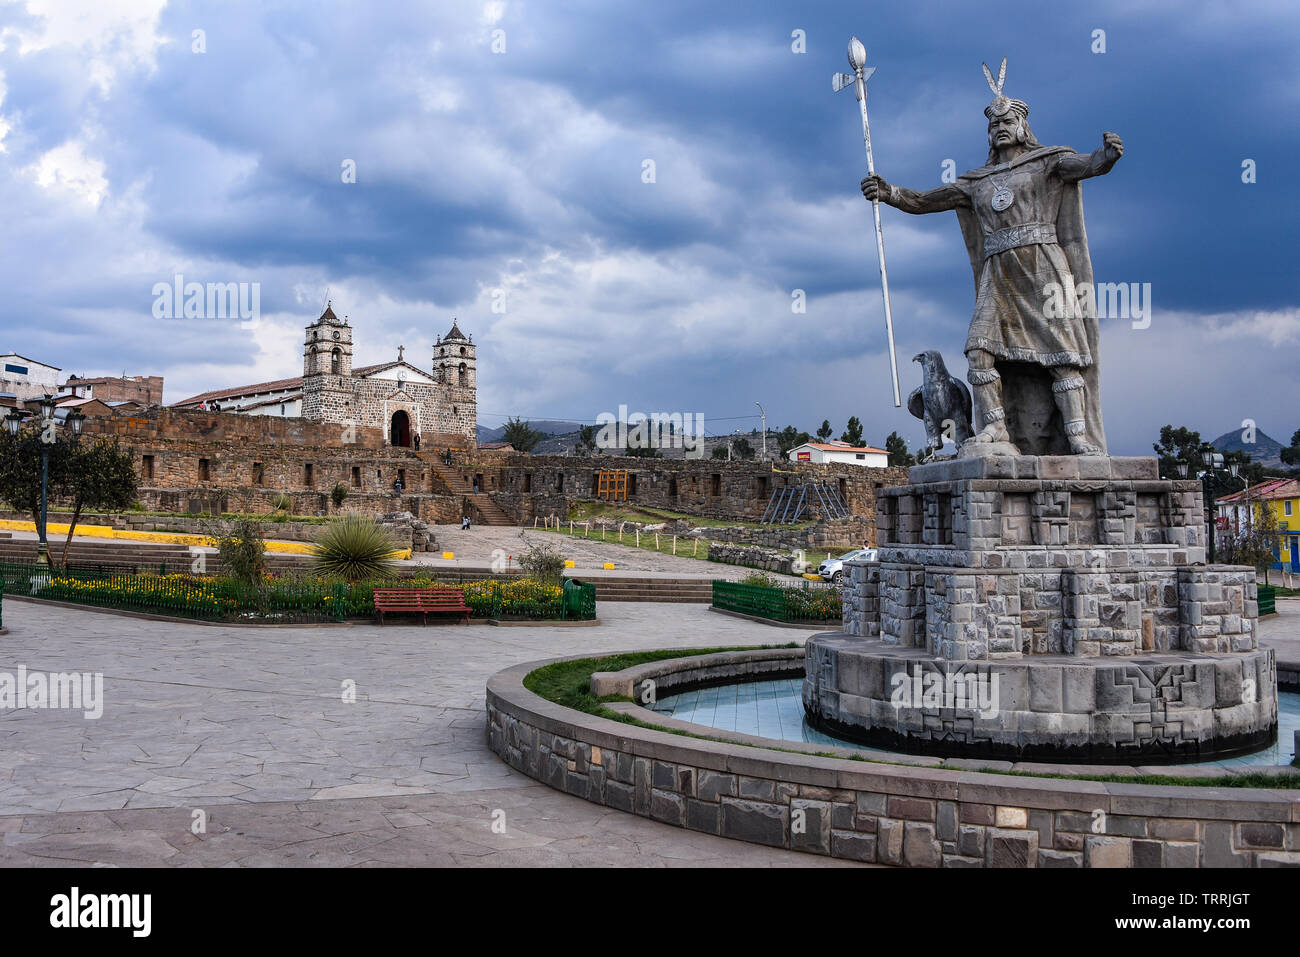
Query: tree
[
  {"x": 853, "y": 434},
  {"x": 586, "y": 440},
  {"x": 1179, "y": 445},
  {"x": 719, "y": 452},
  {"x": 99, "y": 476},
  {"x": 338, "y": 494},
  {"x": 20, "y": 470},
  {"x": 1257, "y": 544},
  {"x": 789, "y": 437},
  {"x": 896, "y": 446},
  {"x": 825, "y": 431},
  {"x": 542, "y": 562},
  {"x": 241, "y": 549},
  {"x": 642, "y": 452},
  {"x": 742, "y": 449},
  {"x": 1291, "y": 456},
  {"x": 521, "y": 435},
  {"x": 1183, "y": 445}
]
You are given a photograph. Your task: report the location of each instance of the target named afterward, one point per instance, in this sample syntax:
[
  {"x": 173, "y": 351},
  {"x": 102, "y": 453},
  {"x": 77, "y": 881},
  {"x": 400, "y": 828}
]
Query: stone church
[{"x": 439, "y": 406}]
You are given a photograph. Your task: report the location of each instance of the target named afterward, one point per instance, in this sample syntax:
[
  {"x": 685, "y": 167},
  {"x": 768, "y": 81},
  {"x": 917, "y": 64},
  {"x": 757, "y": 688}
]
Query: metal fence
[
  {"x": 525, "y": 599},
  {"x": 779, "y": 603}
]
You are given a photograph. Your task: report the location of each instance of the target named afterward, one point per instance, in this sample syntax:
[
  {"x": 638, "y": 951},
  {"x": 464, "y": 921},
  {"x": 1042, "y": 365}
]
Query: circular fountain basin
[{"x": 1148, "y": 709}]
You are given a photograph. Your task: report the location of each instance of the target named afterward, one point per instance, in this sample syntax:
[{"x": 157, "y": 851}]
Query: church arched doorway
[{"x": 399, "y": 430}]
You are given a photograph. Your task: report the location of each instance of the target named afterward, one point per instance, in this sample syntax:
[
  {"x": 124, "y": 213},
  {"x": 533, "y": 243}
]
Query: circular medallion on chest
[{"x": 1002, "y": 197}]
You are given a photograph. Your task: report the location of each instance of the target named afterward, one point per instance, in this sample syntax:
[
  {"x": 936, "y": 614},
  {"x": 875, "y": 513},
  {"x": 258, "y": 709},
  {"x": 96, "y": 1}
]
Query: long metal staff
[{"x": 861, "y": 73}]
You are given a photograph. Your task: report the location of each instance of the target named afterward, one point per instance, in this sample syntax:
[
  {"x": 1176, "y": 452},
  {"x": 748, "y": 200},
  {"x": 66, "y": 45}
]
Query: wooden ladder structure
[{"x": 790, "y": 502}]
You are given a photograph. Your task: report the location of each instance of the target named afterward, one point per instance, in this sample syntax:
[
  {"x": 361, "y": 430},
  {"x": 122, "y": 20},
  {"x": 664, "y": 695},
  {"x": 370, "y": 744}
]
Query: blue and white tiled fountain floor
[{"x": 774, "y": 709}]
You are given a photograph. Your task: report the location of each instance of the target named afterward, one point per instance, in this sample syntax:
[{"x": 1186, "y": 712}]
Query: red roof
[
  {"x": 840, "y": 447},
  {"x": 1267, "y": 489},
  {"x": 278, "y": 385},
  {"x": 275, "y": 385}
]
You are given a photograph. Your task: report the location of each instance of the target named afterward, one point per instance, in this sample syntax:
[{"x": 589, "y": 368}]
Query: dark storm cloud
[{"x": 129, "y": 158}]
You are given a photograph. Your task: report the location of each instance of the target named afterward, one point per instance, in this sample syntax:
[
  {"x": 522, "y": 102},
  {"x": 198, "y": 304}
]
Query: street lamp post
[
  {"x": 47, "y": 439},
  {"x": 764, "y": 417},
  {"x": 1212, "y": 462},
  {"x": 13, "y": 423}
]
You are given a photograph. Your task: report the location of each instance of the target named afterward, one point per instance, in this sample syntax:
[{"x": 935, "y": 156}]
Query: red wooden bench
[{"x": 436, "y": 599}]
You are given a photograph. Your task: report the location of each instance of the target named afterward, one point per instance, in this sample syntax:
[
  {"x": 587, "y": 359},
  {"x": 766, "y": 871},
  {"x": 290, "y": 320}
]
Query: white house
[
  {"x": 26, "y": 378},
  {"x": 824, "y": 453}
]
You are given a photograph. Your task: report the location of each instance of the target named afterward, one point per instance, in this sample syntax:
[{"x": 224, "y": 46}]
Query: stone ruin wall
[
  {"x": 529, "y": 487},
  {"x": 250, "y": 460},
  {"x": 170, "y": 447}
]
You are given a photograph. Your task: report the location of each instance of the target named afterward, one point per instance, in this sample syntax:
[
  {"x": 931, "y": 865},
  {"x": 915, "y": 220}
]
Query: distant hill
[
  {"x": 549, "y": 426},
  {"x": 563, "y": 443},
  {"x": 1266, "y": 450}
]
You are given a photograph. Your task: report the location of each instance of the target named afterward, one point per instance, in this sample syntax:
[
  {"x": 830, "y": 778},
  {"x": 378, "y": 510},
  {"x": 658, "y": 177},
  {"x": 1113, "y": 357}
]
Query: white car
[{"x": 833, "y": 568}]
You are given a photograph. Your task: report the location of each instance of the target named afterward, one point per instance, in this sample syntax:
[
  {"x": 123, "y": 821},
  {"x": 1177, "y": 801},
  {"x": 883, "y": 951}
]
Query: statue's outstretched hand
[
  {"x": 1113, "y": 146},
  {"x": 874, "y": 187}
]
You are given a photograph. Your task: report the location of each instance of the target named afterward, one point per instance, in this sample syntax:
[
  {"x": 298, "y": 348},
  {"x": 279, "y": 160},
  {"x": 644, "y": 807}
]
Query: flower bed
[{"x": 279, "y": 599}]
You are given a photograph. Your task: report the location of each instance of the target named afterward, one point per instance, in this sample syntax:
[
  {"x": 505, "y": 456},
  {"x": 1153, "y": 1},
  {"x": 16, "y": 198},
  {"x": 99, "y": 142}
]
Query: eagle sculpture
[{"x": 942, "y": 402}]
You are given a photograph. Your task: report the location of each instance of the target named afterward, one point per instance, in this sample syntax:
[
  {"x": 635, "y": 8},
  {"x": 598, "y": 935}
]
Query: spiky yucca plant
[{"x": 354, "y": 548}]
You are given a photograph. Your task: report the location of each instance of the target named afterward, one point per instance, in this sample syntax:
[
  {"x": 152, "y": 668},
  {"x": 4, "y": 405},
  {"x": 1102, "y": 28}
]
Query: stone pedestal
[{"x": 1030, "y": 563}]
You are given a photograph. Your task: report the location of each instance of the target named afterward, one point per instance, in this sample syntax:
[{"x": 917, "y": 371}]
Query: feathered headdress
[{"x": 1002, "y": 104}]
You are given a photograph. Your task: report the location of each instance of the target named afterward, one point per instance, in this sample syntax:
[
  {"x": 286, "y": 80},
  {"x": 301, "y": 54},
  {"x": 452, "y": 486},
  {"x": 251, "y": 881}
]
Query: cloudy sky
[{"x": 500, "y": 152}]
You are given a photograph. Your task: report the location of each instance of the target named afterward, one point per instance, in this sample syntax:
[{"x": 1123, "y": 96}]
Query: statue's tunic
[{"x": 1015, "y": 283}]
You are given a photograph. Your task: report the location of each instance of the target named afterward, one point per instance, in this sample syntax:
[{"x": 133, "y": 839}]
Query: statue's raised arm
[
  {"x": 937, "y": 200},
  {"x": 1073, "y": 167}
]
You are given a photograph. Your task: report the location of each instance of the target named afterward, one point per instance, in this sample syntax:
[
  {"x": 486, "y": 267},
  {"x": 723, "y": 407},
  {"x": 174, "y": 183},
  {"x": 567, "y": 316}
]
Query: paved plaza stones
[{"x": 248, "y": 725}]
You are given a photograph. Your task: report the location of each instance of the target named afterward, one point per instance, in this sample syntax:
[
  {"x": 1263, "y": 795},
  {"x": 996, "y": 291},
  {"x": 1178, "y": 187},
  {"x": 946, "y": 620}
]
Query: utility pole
[{"x": 764, "y": 416}]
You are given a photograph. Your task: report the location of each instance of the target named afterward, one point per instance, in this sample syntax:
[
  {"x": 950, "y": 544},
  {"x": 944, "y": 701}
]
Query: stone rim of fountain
[{"x": 895, "y": 813}]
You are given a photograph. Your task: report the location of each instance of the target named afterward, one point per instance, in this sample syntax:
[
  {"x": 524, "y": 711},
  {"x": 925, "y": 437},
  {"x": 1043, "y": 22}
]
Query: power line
[{"x": 583, "y": 421}]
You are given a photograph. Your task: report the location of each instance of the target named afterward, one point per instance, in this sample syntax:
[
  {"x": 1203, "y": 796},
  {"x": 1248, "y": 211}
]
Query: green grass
[
  {"x": 686, "y": 547},
  {"x": 622, "y": 512},
  {"x": 568, "y": 683}
]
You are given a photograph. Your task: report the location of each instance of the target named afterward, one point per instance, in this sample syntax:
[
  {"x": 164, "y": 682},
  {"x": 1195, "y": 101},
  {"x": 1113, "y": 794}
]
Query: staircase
[
  {"x": 491, "y": 512},
  {"x": 693, "y": 590},
  {"x": 608, "y": 588},
  {"x": 124, "y": 557},
  {"x": 450, "y": 477}
]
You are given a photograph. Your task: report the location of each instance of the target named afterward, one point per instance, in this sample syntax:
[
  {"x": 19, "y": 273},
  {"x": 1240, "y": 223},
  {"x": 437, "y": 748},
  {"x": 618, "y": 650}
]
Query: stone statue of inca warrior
[{"x": 1034, "y": 370}]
